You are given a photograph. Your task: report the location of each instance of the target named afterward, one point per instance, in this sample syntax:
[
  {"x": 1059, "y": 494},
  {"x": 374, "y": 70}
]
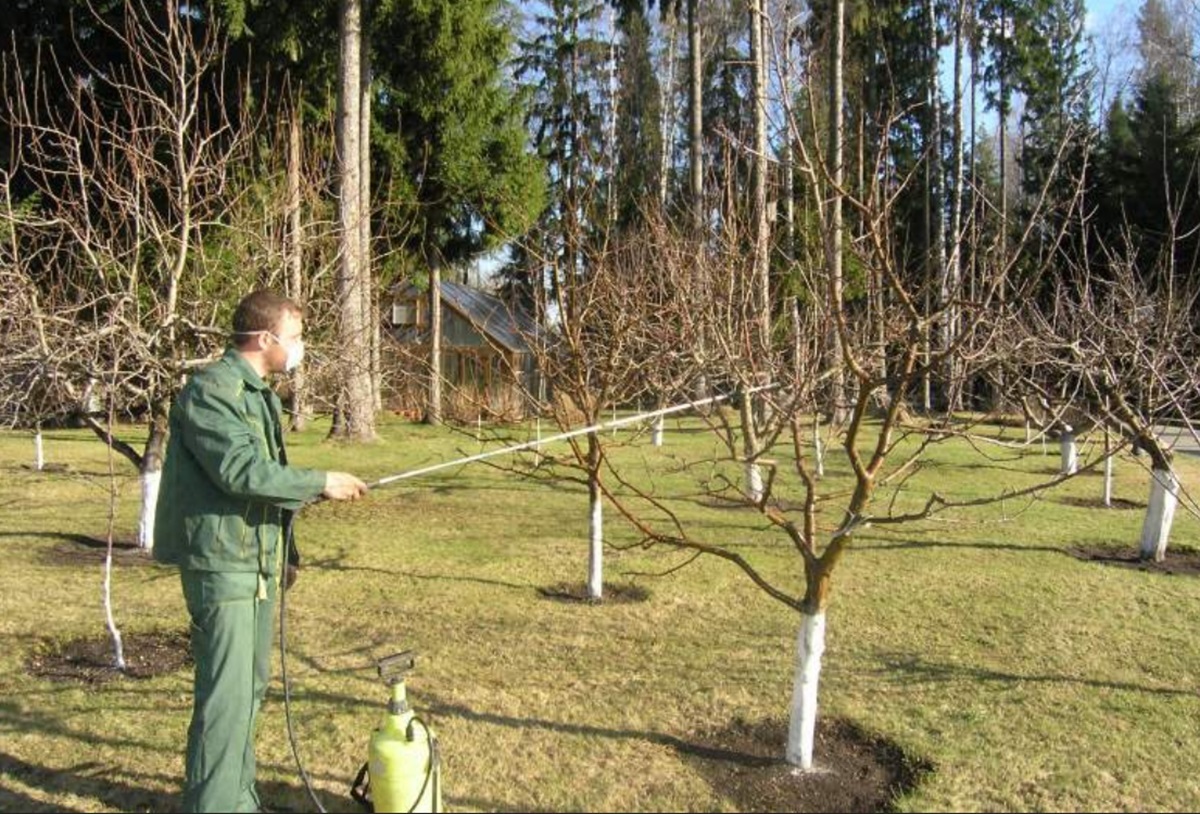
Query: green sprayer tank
[{"x": 403, "y": 759}]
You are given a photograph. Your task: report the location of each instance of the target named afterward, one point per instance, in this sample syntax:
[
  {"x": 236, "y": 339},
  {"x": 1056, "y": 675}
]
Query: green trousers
[{"x": 232, "y": 622}]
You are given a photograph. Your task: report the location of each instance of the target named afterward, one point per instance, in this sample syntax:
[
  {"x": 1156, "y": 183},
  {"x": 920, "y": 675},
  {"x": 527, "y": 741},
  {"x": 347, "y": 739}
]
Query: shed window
[{"x": 404, "y": 314}]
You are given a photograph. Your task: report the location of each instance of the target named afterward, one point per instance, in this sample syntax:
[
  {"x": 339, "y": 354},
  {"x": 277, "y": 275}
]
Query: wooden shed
[{"x": 487, "y": 368}]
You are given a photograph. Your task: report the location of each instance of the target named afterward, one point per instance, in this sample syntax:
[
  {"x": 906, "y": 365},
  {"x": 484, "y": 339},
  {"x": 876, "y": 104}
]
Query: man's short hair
[{"x": 260, "y": 311}]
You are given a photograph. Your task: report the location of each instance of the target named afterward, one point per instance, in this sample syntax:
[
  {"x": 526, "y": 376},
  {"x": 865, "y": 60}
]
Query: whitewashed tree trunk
[
  {"x": 1069, "y": 452},
  {"x": 109, "y": 621},
  {"x": 595, "y": 543},
  {"x": 1164, "y": 496},
  {"x": 656, "y": 434},
  {"x": 1108, "y": 469},
  {"x": 595, "y": 519},
  {"x": 754, "y": 481},
  {"x": 818, "y": 448},
  {"x": 150, "y": 482},
  {"x": 802, "y": 725},
  {"x": 39, "y": 456}
]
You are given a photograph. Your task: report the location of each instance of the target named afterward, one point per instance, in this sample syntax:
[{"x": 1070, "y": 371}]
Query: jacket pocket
[{"x": 219, "y": 539}]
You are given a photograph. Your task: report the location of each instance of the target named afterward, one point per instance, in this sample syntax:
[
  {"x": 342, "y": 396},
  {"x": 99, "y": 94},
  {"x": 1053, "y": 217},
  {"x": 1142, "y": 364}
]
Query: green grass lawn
[{"x": 1030, "y": 679}]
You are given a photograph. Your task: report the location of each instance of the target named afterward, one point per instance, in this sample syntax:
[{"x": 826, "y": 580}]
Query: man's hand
[
  {"x": 343, "y": 486},
  {"x": 290, "y": 573}
]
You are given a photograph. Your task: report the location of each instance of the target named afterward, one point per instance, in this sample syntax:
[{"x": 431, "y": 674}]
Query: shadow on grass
[
  {"x": 117, "y": 787},
  {"x": 68, "y": 537},
  {"x": 87, "y": 549},
  {"x": 82, "y": 780},
  {"x": 16, "y": 718},
  {"x": 95, "y": 781},
  {"x": 684, "y": 747},
  {"x": 912, "y": 667},
  {"x": 335, "y": 564},
  {"x": 982, "y": 545}
]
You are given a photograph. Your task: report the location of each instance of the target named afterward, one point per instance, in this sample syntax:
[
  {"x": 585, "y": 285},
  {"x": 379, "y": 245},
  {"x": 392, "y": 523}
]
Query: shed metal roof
[{"x": 488, "y": 313}]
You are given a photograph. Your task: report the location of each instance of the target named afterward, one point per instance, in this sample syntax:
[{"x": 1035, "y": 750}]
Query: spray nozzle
[{"x": 393, "y": 668}]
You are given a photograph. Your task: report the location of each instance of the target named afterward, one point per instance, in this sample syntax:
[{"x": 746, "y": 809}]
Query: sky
[
  {"x": 1112, "y": 26},
  {"x": 1101, "y": 11}
]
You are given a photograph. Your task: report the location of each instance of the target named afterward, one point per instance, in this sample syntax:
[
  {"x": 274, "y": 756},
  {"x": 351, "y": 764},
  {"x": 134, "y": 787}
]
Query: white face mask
[{"x": 295, "y": 354}]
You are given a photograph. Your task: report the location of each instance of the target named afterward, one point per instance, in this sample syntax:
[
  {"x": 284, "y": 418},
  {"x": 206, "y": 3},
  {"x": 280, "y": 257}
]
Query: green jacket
[{"x": 227, "y": 493}]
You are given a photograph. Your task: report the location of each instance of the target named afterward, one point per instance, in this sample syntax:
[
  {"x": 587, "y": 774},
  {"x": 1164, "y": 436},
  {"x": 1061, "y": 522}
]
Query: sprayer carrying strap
[{"x": 360, "y": 789}]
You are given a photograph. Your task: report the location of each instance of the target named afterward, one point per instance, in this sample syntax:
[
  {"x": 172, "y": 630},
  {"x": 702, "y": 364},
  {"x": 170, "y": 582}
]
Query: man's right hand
[{"x": 343, "y": 486}]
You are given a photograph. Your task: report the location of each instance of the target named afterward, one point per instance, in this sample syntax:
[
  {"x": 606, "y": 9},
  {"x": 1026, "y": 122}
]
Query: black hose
[
  {"x": 434, "y": 766},
  {"x": 287, "y": 695}
]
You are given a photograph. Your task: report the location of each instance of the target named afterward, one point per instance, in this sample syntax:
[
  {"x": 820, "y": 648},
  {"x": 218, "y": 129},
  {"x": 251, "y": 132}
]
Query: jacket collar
[{"x": 249, "y": 375}]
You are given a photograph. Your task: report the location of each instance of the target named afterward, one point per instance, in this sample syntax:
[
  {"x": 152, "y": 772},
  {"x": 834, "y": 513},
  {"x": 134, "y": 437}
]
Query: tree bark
[
  {"x": 666, "y": 97},
  {"x": 696, "y": 119},
  {"x": 433, "y": 410},
  {"x": 833, "y": 231},
  {"x": 937, "y": 218},
  {"x": 370, "y": 309},
  {"x": 954, "y": 266},
  {"x": 298, "y": 407},
  {"x": 357, "y": 407},
  {"x": 761, "y": 295}
]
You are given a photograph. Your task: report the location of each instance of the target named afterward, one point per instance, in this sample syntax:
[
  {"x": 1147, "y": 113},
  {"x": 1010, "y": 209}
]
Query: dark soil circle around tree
[
  {"x": 1180, "y": 560},
  {"x": 84, "y": 549},
  {"x": 611, "y": 593},
  {"x": 853, "y": 770},
  {"x": 90, "y": 660},
  {"x": 1118, "y": 503}
]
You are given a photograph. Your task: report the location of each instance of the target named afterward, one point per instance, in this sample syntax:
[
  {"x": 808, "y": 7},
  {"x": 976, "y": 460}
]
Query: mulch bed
[
  {"x": 1181, "y": 560},
  {"x": 611, "y": 593},
  {"x": 854, "y": 771},
  {"x": 90, "y": 660}
]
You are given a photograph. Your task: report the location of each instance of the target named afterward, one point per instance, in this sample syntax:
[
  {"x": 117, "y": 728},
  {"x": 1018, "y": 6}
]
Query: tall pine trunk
[
  {"x": 433, "y": 409},
  {"x": 356, "y": 408},
  {"x": 370, "y": 311},
  {"x": 695, "y": 118},
  {"x": 298, "y": 406},
  {"x": 833, "y": 228},
  {"x": 936, "y": 192},
  {"x": 954, "y": 265},
  {"x": 761, "y": 295}
]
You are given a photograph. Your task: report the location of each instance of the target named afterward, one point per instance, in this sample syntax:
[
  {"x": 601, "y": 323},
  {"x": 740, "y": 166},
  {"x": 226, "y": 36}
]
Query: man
[{"x": 224, "y": 513}]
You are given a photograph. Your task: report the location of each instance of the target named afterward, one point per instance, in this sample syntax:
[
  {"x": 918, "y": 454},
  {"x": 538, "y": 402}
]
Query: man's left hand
[{"x": 290, "y": 573}]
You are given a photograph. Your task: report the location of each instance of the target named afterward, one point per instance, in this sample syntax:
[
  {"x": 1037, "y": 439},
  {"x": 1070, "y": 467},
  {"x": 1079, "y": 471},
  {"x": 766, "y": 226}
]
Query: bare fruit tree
[
  {"x": 698, "y": 302},
  {"x": 123, "y": 177},
  {"x": 619, "y": 336},
  {"x": 1128, "y": 350}
]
